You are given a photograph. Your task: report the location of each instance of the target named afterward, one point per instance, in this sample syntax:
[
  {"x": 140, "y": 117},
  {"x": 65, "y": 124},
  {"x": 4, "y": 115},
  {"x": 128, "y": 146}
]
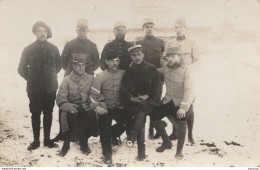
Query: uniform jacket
[
  {"x": 141, "y": 79},
  {"x": 106, "y": 88},
  {"x": 39, "y": 66},
  {"x": 75, "y": 90},
  {"x": 153, "y": 49},
  {"x": 189, "y": 50},
  {"x": 78, "y": 46},
  {"x": 121, "y": 48},
  {"x": 179, "y": 86}
]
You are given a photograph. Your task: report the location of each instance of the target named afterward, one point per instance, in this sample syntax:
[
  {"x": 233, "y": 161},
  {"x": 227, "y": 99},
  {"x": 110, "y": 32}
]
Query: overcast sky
[{"x": 18, "y": 16}]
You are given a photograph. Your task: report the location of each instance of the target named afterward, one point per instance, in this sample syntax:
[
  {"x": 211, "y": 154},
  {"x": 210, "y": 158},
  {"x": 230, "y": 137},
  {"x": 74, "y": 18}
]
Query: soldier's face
[
  {"x": 82, "y": 33},
  {"x": 41, "y": 34},
  {"x": 137, "y": 57},
  {"x": 173, "y": 59},
  {"x": 120, "y": 32},
  {"x": 79, "y": 68},
  {"x": 113, "y": 64},
  {"x": 179, "y": 29},
  {"x": 149, "y": 29}
]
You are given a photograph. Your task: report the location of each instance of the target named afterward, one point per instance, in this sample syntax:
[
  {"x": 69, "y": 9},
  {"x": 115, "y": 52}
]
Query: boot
[
  {"x": 190, "y": 122},
  {"x": 66, "y": 144},
  {"x": 36, "y": 121},
  {"x": 84, "y": 146},
  {"x": 181, "y": 138},
  {"x": 141, "y": 153},
  {"x": 151, "y": 132},
  {"x": 174, "y": 135},
  {"x": 108, "y": 160},
  {"x": 34, "y": 145},
  {"x": 47, "y": 121},
  {"x": 167, "y": 144}
]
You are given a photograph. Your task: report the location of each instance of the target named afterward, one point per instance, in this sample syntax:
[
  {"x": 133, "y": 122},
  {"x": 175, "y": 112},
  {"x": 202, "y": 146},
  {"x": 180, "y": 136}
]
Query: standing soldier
[
  {"x": 177, "y": 102},
  {"x": 39, "y": 65},
  {"x": 79, "y": 45},
  {"x": 74, "y": 102},
  {"x": 153, "y": 49},
  {"x": 141, "y": 93},
  {"x": 105, "y": 99},
  {"x": 191, "y": 57},
  {"x": 119, "y": 45}
]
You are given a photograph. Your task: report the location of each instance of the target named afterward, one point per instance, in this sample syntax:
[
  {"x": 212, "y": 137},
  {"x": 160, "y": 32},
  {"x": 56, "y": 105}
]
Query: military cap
[
  {"x": 112, "y": 54},
  {"x": 147, "y": 21},
  {"x": 119, "y": 24},
  {"x": 173, "y": 50},
  {"x": 181, "y": 21},
  {"x": 135, "y": 48},
  {"x": 79, "y": 58},
  {"x": 82, "y": 23},
  {"x": 44, "y": 25}
]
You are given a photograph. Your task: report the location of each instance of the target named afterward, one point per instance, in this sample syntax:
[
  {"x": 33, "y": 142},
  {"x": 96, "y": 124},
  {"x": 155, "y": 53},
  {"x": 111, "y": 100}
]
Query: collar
[
  {"x": 76, "y": 77},
  {"x": 82, "y": 40},
  {"x": 149, "y": 37},
  {"x": 41, "y": 42},
  {"x": 180, "y": 37}
]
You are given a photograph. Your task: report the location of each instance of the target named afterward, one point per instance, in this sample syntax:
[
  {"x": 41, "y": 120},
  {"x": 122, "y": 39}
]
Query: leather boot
[
  {"x": 84, "y": 146},
  {"x": 36, "y": 121},
  {"x": 66, "y": 144},
  {"x": 167, "y": 144},
  {"x": 181, "y": 138},
  {"x": 190, "y": 122},
  {"x": 47, "y": 122}
]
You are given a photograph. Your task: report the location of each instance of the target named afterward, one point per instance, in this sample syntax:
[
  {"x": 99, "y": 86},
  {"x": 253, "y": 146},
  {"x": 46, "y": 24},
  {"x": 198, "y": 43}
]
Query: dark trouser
[
  {"x": 84, "y": 121},
  {"x": 138, "y": 112},
  {"x": 169, "y": 109},
  {"x": 107, "y": 131},
  {"x": 42, "y": 102}
]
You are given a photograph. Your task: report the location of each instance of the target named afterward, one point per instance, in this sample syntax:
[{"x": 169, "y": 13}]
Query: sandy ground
[{"x": 226, "y": 126}]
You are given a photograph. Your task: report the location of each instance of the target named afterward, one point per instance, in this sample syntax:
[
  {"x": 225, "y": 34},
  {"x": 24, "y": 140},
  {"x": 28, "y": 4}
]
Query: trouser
[
  {"x": 107, "y": 131},
  {"x": 85, "y": 121},
  {"x": 169, "y": 109},
  {"x": 138, "y": 112},
  {"x": 41, "y": 102}
]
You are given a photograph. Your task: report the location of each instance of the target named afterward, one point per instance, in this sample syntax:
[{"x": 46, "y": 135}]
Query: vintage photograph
[{"x": 130, "y": 83}]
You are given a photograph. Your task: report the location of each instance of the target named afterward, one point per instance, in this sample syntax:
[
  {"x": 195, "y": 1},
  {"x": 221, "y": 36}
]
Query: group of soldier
[{"x": 127, "y": 90}]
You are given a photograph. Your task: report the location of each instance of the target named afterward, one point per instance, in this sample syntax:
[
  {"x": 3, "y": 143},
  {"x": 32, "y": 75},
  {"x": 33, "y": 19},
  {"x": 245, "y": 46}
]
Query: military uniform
[
  {"x": 189, "y": 51},
  {"x": 153, "y": 49},
  {"x": 74, "y": 92},
  {"x": 120, "y": 46},
  {"x": 105, "y": 93},
  {"x": 191, "y": 57},
  {"x": 140, "y": 79},
  {"x": 39, "y": 65},
  {"x": 179, "y": 94},
  {"x": 80, "y": 46}
]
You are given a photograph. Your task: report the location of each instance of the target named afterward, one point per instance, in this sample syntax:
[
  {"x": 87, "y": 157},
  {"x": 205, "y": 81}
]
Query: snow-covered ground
[{"x": 226, "y": 126}]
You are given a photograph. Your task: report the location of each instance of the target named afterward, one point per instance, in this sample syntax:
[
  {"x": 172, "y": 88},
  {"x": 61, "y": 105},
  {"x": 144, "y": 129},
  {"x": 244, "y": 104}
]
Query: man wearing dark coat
[
  {"x": 119, "y": 45},
  {"x": 39, "y": 65},
  {"x": 153, "y": 49},
  {"x": 140, "y": 92}
]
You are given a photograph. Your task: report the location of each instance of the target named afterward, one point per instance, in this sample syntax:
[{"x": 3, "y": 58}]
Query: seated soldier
[
  {"x": 105, "y": 99},
  {"x": 177, "y": 101},
  {"x": 74, "y": 102},
  {"x": 141, "y": 91}
]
